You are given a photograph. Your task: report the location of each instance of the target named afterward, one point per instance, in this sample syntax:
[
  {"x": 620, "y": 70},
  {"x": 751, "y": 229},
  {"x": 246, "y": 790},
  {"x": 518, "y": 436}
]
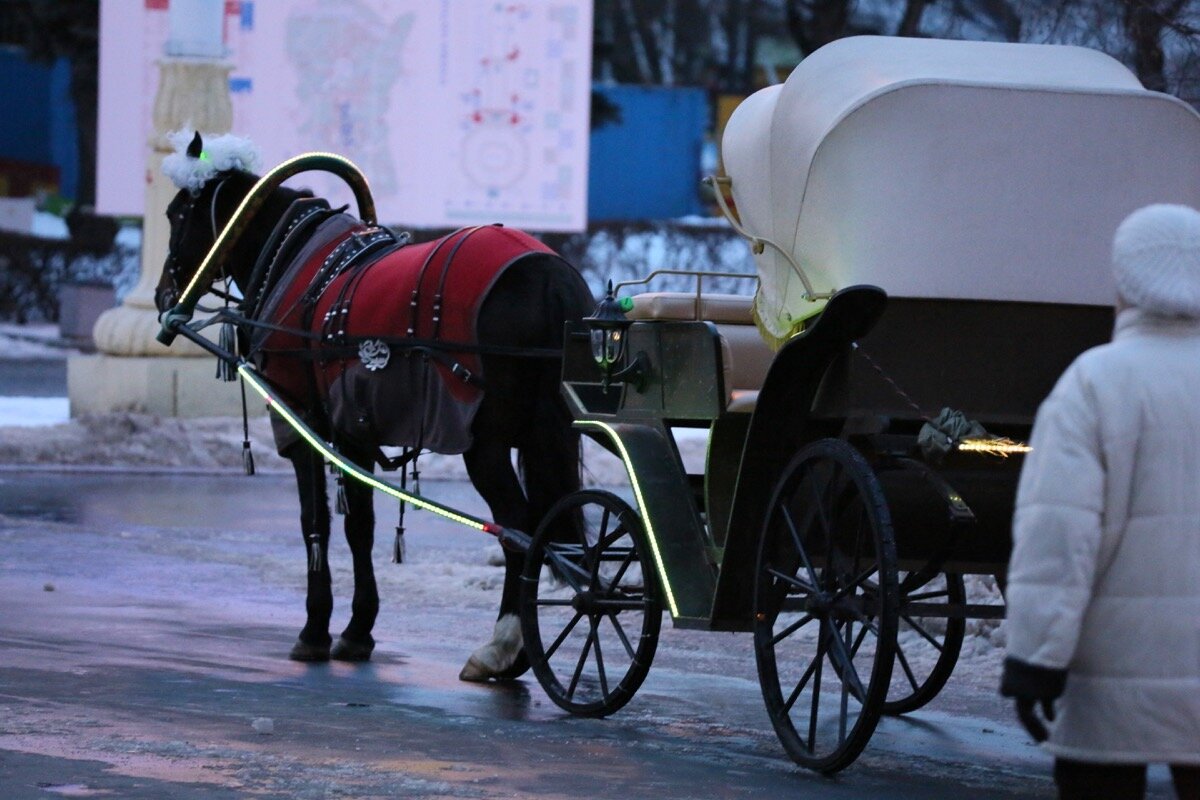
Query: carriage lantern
[{"x": 609, "y": 326}]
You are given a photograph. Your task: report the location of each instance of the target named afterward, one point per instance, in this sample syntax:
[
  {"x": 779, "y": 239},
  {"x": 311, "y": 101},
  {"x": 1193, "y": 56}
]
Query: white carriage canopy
[{"x": 950, "y": 169}]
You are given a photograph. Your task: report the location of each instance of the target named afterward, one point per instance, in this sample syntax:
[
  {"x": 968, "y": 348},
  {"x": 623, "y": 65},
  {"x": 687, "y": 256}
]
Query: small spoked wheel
[
  {"x": 927, "y": 647},
  {"x": 590, "y": 607},
  {"x": 825, "y": 605}
]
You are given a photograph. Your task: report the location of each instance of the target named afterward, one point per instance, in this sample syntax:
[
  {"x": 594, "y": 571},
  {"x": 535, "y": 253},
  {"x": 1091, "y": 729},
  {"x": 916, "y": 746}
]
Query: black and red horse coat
[{"x": 379, "y": 355}]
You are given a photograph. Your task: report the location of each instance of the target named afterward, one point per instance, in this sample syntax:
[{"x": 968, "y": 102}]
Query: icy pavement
[{"x": 144, "y": 646}]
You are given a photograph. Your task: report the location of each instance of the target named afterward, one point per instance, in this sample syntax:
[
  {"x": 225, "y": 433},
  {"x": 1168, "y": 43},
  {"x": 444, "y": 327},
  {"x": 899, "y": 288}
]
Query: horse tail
[{"x": 549, "y": 459}]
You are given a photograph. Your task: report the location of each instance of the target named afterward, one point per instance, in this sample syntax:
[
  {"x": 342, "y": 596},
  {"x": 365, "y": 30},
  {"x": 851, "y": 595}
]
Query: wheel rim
[
  {"x": 590, "y": 608},
  {"x": 824, "y": 631},
  {"x": 927, "y": 648}
]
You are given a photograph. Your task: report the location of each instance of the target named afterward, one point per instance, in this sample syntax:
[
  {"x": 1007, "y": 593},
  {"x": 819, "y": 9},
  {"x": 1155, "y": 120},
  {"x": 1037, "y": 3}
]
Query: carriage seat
[{"x": 745, "y": 357}]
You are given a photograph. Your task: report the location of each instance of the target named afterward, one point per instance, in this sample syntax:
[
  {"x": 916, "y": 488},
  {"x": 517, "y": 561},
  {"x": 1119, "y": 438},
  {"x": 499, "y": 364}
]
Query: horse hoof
[
  {"x": 518, "y": 668},
  {"x": 349, "y": 650},
  {"x": 303, "y": 651},
  {"x": 502, "y": 658}
]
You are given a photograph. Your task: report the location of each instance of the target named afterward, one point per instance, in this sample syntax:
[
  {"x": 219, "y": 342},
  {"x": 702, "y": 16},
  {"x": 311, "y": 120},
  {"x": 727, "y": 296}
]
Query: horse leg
[
  {"x": 356, "y": 642},
  {"x": 489, "y": 467},
  {"x": 314, "y": 640}
]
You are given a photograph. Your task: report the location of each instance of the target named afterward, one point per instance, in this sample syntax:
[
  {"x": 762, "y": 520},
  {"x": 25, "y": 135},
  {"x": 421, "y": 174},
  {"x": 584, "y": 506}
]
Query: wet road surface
[{"x": 145, "y": 620}]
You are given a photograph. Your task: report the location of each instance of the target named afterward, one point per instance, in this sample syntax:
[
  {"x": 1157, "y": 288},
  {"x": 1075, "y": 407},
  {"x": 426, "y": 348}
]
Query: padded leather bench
[{"x": 745, "y": 356}]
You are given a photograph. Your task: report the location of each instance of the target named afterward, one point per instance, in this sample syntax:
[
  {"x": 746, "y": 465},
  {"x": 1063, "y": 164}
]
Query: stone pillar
[{"x": 131, "y": 370}]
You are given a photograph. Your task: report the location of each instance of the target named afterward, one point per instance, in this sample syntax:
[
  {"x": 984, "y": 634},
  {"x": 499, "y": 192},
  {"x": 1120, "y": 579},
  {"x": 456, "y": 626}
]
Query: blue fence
[
  {"x": 38, "y": 123},
  {"x": 648, "y": 166}
]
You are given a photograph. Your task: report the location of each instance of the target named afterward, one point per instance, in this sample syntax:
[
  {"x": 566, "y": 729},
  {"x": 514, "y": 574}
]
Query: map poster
[{"x": 458, "y": 112}]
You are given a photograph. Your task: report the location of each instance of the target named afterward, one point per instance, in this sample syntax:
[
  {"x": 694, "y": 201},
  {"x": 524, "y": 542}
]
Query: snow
[
  {"x": 40, "y": 341},
  {"x": 49, "y": 226},
  {"x": 33, "y": 412}
]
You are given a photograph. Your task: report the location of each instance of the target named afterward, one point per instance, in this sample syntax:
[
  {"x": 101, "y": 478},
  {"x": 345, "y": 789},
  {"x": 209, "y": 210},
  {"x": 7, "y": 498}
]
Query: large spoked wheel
[
  {"x": 825, "y": 605},
  {"x": 590, "y": 607},
  {"x": 927, "y": 648}
]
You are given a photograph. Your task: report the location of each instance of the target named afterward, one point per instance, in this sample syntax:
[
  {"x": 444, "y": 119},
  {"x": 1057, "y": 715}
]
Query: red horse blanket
[{"x": 374, "y": 387}]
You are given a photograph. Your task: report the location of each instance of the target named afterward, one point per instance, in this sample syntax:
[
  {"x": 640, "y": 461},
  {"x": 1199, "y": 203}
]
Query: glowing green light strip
[
  {"x": 251, "y": 197},
  {"x": 637, "y": 491},
  {"x": 248, "y": 373}
]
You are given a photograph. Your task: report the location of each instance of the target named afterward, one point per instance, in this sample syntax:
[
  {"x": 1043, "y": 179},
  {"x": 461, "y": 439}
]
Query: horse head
[{"x": 212, "y": 177}]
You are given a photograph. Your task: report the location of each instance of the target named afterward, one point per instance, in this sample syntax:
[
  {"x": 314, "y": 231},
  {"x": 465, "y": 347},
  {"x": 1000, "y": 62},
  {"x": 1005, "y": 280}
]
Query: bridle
[{"x": 175, "y": 269}]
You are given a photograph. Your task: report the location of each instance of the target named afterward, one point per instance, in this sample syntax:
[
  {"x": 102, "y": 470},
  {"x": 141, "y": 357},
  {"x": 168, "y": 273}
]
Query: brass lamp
[{"x": 609, "y": 330}]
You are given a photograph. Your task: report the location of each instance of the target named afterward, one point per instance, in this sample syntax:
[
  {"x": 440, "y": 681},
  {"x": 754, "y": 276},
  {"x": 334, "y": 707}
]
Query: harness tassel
[
  {"x": 315, "y": 561},
  {"x": 228, "y": 342},
  {"x": 247, "y": 456},
  {"x": 398, "y": 546},
  {"x": 342, "y": 505}
]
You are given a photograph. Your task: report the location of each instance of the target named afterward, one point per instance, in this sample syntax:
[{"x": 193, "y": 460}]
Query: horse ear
[{"x": 196, "y": 147}]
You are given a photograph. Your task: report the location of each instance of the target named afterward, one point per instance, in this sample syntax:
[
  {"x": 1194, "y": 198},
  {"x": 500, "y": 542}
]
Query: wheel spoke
[
  {"x": 562, "y": 637},
  {"x": 795, "y": 695},
  {"x": 844, "y": 710},
  {"x": 615, "y": 583},
  {"x": 567, "y": 570},
  {"x": 840, "y": 654},
  {"x": 908, "y": 673},
  {"x": 815, "y": 709},
  {"x": 787, "y": 518},
  {"x": 853, "y": 584},
  {"x": 819, "y": 508},
  {"x": 790, "y": 629},
  {"x": 862, "y": 634},
  {"x": 924, "y": 633},
  {"x": 926, "y": 596},
  {"x": 587, "y": 646},
  {"x": 599, "y": 659},
  {"x": 793, "y": 580},
  {"x": 621, "y": 634}
]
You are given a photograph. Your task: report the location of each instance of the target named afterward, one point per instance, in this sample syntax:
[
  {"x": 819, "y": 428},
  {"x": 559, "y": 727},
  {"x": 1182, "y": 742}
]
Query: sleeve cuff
[{"x": 1027, "y": 680}]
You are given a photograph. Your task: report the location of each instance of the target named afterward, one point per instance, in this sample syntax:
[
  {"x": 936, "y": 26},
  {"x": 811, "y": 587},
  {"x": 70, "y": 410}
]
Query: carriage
[
  {"x": 864, "y": 443},
  {"x": 856, "y": 475}
]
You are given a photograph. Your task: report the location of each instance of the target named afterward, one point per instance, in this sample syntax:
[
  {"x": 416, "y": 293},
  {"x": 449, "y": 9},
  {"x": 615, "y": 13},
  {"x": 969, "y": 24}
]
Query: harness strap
[
  {"x": 293, "y": 228},
  {"x": 350, "y": 346},
  {"x": 441, "y": 289}
]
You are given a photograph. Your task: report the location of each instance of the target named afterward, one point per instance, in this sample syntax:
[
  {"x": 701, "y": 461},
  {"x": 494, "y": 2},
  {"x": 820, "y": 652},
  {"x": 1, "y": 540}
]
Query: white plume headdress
[{"x": 220, "y": 153}]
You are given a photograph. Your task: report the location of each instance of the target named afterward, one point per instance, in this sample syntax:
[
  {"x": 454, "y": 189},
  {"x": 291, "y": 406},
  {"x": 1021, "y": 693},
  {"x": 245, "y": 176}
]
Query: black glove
[
  {"x": 1027, "y": 713},
  {"x": 1032, "y": 685}
]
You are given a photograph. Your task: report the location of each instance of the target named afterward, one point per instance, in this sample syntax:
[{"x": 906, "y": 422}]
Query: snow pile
[
  {"x": 129, "y": 439},
  {"x": 32, "y": 341},
  {"x": 32, "y": 412}
]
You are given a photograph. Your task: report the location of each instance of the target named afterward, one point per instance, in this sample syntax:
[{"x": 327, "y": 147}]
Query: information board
[{"x": 458, "y": 111}]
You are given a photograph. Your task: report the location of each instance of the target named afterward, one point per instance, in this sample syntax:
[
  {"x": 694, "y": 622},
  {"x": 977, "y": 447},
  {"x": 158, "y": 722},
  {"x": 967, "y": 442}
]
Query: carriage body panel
[{"x": 957, "y": 170}]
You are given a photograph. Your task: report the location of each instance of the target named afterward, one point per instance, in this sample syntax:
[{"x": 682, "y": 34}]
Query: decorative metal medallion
[{"x": 374, "y": 354}]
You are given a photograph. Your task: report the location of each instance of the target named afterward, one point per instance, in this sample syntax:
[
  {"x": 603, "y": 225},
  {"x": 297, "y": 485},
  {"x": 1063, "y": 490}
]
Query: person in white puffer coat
[{"x": 1104, "y": 581}]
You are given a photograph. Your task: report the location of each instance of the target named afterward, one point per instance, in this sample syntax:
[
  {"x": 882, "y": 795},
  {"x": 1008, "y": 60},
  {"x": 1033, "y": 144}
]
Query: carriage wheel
[
  {"x": 590, "y": 607},
  {"x": 927, "y": 648},
  {"x": 824, "y": 632}
]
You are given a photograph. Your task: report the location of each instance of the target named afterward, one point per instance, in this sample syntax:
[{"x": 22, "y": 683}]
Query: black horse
[{"x": 519, "y": 320}]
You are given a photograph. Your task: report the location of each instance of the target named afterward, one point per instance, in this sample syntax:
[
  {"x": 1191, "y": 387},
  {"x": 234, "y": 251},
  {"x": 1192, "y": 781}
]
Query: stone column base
[{"x": 161, "y": 385}]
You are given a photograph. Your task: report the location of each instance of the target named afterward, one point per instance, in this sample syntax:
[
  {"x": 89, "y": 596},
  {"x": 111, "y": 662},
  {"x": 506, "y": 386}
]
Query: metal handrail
[{"x": 757, "y": 243}]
